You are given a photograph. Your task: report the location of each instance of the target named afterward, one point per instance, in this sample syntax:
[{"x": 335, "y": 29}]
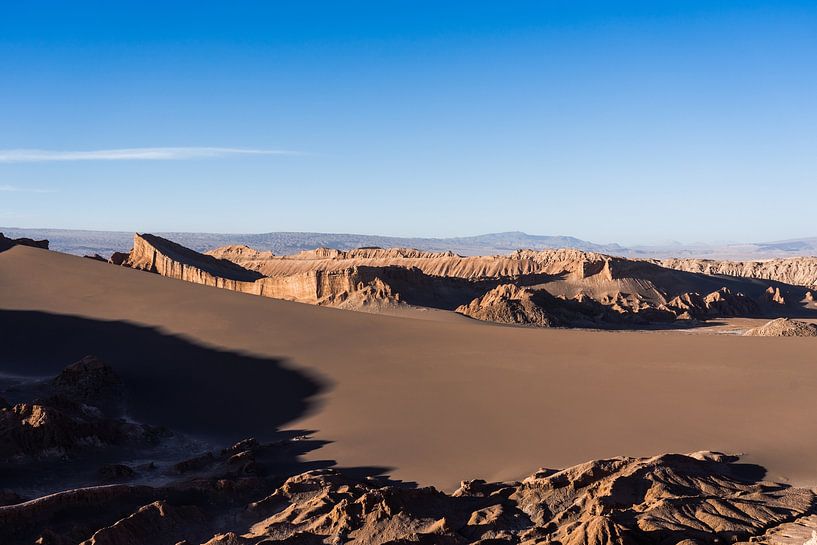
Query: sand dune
[{"x": 442, "y": 401}]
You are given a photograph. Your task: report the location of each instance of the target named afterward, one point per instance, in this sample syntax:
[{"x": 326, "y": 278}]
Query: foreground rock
[
  {"x": 238, "y": 498},
  {"x": 260, "y": 494},
  {"x": 784, "y": 327},
  {"x": 76, "y": 412}
]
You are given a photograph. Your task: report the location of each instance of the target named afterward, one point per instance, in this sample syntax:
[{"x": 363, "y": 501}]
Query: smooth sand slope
[{"x": 435, "y": 401}]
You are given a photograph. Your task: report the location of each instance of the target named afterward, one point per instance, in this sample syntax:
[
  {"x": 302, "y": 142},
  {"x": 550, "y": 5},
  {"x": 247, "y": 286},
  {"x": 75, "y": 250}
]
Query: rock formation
[
  {"x": 90, "y": 381},
  {"x": 73, "y": 414},
  {"x": 513, "y": 305},
  {"x": 6, "y": 243},
  {"x": 354, "y": 287},
  {"x": 784, "y": 327},
  {"x": 772, "y": 295},
  {"x": 508, "y": 304},
  {"x": 698, "y": 498},
  {"x": 567, "y": 287},
  {"x": 796, "y": 271}
]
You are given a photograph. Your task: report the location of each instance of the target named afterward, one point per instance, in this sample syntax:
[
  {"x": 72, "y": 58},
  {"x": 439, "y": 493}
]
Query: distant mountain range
[{"x": 104, "y": 243}]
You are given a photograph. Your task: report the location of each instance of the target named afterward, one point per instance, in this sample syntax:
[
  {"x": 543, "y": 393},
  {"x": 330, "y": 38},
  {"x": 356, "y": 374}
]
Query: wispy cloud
[
  {"x": 130, "y": 154},
  {"x": 18, "y": 189}
]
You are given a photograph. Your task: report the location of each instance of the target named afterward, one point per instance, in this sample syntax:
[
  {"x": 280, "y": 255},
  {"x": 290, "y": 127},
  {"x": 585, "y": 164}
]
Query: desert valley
[
  {"x": 239, "y": 397},
  {"x": 408, "y": 272}
]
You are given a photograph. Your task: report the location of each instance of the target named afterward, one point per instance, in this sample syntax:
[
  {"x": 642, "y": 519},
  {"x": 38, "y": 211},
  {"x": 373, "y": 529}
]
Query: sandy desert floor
[{"x": 430, "y": 400}]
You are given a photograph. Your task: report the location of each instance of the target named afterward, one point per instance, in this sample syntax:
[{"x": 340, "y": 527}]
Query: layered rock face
[
  {"x": 348, "y": 287},
  {"x": 797, "y": 271},
  {"x": 565, "y": 287},
  {"x": 784, "y": 327},
  {"x": 440, "y": 264}
]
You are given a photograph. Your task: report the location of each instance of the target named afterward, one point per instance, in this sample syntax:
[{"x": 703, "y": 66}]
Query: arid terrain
[
  {"x": 153, "y": 408},
  {"x": 546, "y": 288}
]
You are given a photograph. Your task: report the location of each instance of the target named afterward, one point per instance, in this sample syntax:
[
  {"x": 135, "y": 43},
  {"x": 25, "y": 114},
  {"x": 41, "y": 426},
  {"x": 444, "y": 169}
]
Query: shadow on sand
[
  {"x": 169, "y": 381},
  {"x": 214, "y": 397}
]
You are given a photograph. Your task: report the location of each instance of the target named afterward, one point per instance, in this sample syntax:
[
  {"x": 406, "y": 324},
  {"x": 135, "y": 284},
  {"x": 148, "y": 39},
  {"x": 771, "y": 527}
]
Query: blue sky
[{"x": 610, "y": 121}]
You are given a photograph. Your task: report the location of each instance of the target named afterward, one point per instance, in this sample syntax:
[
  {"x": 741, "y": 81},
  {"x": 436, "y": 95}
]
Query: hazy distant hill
[{"x": 105, "y": 242}]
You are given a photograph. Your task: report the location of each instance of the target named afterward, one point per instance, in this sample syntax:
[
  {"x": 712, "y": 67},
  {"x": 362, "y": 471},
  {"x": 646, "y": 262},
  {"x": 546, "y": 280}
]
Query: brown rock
[
  {"x": 508, "y": 304},
  {"x": 6, "y": 243},
  {"x": 90, "y": 381},
  {"x": 784, "y": 327}
]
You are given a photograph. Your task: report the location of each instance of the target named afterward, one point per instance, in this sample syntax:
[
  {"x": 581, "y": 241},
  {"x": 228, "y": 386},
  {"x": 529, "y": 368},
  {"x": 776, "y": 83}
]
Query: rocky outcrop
[
  {"x": 796, "y": 271},
  {"x": 354, "y": 287},
  {"x": 157, "y": 522},
  {"x": 773, "y": 296},
  {"x": 253, "y": 493},
  {"x": 119, "y": 258},
  {"x": 508, "y": 304},
  {"x": 155, "y": 254},
  {"x": 701, "y": 498},
  {"x": 438, "y": 264},
  {"x": 566, "y": 286},
  {"x": 6, "y": 243},
  {"x": 513, "y": 305},
  {"x": 722, "y": 303},
  {"x": 244, "y": 495},
  {"x": 784, "y": 327},
  {"x": 90, "y": 381},
  {"x": 55, "y": 427},
  {"x": 72, "y": 415}
]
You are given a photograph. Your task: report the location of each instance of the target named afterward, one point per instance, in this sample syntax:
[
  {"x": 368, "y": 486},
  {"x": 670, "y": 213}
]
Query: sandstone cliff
[
  {"x": 797, "y": 271},
  {"x": 319, "y": 287},
  {"x": 567, "y": 286}
]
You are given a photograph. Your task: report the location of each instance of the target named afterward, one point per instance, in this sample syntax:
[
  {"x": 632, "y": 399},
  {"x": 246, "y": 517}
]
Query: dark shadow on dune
[
  {"x": 197, "y": 392},
  {"x": 169, "y": 381}
]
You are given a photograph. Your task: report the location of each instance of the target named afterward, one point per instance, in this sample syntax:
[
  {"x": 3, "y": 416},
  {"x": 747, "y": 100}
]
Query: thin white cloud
[
  {"x": 18, "y": 189},
  {"x": 129, "y": 154}
]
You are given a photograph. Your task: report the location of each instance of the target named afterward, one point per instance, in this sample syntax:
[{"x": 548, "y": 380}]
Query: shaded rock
[
  {"x": 722, "y": 303},
  {"x": 508, "y": 304},
  {"x": 72, "y": 418},
  {"x": 90, "y": 381},
  {"x": 116, "y": 472},
  {"x": 56, "y": 426},
  {"x": 156, "y": 523},
  {"x": 773, "y": 296},
  {"x": 698, "y": 498},
  {"x": 6, "y": 243},
  {"x": 9, "y": 497},
  {"x": 119, "y": 258}
]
